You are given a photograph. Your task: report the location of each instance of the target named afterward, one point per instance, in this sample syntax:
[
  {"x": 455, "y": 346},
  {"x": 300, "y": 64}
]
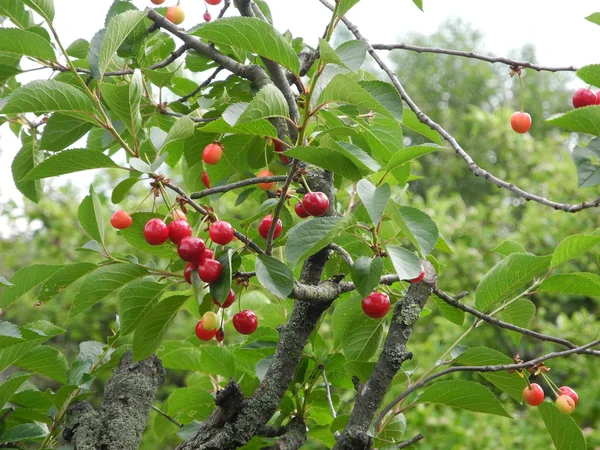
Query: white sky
[{"x": 557, "y": 28}]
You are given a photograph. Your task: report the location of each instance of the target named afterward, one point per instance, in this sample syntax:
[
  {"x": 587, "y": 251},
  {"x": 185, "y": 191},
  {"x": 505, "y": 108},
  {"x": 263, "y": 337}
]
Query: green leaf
[
  {"x": 590, "y": 74},
  {"x": 25, "y": 279},
  {"x": 450, "y": 313},
  {"x": 328, "y": 159},
  {"x": 62, "y": 278},
  {"x": 124, "y": 101},
  {"x": 583, "y": 120},
  {"x": 374, "y": 198},
  {"x": 219, "y": 290},
  {"x": 103, "y": 282},
  {"x": 353, "y": 54},
  {"x": 257, "y": 128},
  {"x": 134, "y": 235},
  {"x": 25, "y": 161},
  {"x": 419, "y": 4},
  {"x": 44, "y": 96},
  {"x": 79, "y": 49},
  {"x": 181, "y": 129},
  {"x": 594, "y": 18},
  {"x": 70, "y": 161},
  {"x": 25, "y": 432},
  {"x": 116, "y": 32},
  {"x": 328, "y": 55},
  {"x": 123, "y": 188},
  {"x": 465, "y": 395},
  {"x": 44, "y": 8},
  {"x": 511, "y": 383},
  {"x": 573, "y": 246},
  {"x": 155, "y": 325},
  {"x": 508, "y": 276},
  {"x": 180, "y": 355},
  {"x": 419, "y": 228},
  {"x": 358, "y": 156},
  {"x": 384, "y": 137},
  {"x": 253, "y": 35},
  {"x": 366, "y": 273},
  {"x": 386, "y": 94},
  {"x": 392, "y": 432},
  {"x": 268, "y": 102},
  {"x": 190, "y": 403},
  {"x": 579, "y": 283},
  {"x": 518, "y": 313},
  {"x": 564, "y": 431},
  {"x": 15, "y": 11},
  {"x": 509, "y": 247},
  {"x": 274, "y": 276},
  {"x": 90, "y": 216},
  {"x": 62, "y": 131},
  {"x": 217, "y": 361},
  {"x": 407, "y": 154},
  {"x": 587, "y": 161},
  {"x": 411, "y": 121},
  {"x": 136, "y": 300},
  {"x": 344, "y": 6},
  {"x": 47, "y": 361},
  {"x": 10, "y": 386},
  {"x": 406, "y": 264},
  {"x": 25, "y": 43}
]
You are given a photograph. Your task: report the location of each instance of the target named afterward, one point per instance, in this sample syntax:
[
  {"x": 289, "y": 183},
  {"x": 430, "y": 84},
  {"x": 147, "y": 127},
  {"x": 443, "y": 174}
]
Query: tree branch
[
  {"x": 473, "y": 167},
  {"x": 344, "y": 254},
  {"x": 293, "y": 438},
  {"x": 491, "y": 59},
  {"x": 202, "y": 85},
  {"x": 286, "y": 185},
  {"x": 237, "y": 185},
  {"x": 406, "y": 314},
  {"x": 411, "y": 441}
]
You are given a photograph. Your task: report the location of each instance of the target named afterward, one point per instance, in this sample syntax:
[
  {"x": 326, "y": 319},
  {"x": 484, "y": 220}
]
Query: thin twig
[
  {"x": 284, "y": 189},
  {"x": 328, "y": 391},
  {"x": 237, "y": 185},
  {"x": 225, "y": 7},
  {"x": 411, "y": 441},
  {"x": 205, "y": 83},
  {"x": 344, "y": 254},
  {"x": 166, "y": 416}
]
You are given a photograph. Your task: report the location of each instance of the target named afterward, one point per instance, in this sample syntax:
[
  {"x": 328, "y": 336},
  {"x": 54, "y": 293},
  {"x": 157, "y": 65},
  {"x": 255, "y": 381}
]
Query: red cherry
[
  {"x": 205, "y": 179},
  {"x": 178, "y": 229},
  {"x": 187, "y": 272},
  {"x": 533, "y": 395},
  {"x": 419, "y": 278},
  {"x": 213, "y": 2},
  {"x": 175, "y": 14},
  {"x": 300, "y": 211},
  {"x": 597, "y": 97},
  {"x": 265, "y": 173},
  {"x": 207, "y": 254},
  {"x": 121, "y": 220},
  {"x": 279, "y": 149},
  {"x": 221, "y": 232},
  {"x": 209, "y": 270},
  {"x": 158, "y": 2},
  {"x": 584, "y": 97},
  {"x": 245, "y": 322},
  {"x": 265, "y": 225},
  {"x": 228, "y": 301},
  {"x": 376, "y": 305},
  {"x": 315, "y": 203},
  {"x": 207, "y": 17},
  {"x": 156, "y": 232},
  {"x": 520, "y": 122},
  {"x": 565, "y": 404},
  {"x": 566, "y": 390},
  {"x": 220, "y": 335},
  {"x": 190, "y": 249},
  {"x": 212, "y": 153},
  {"x": 204, "y": 334}
]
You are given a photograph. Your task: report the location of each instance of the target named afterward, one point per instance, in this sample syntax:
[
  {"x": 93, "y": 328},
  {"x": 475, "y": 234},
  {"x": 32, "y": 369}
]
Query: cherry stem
[
  {"x": 550, "y": 383},
  {"x": 305, "y": 183},
  {"x": 141, "y": 203},
  {"x": 521, "y": 91}
]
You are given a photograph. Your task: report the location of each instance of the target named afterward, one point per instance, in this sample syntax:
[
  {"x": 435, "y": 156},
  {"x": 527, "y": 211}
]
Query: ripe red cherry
[
  {"x": 265, "y": 225},
  {"x": 205, "y": 179},
  {"x": 212, "y": 153},
  {"x": 175, "y": 14},
  {"x": 419, "y": 278},
  {"x": 584, "y": 97},
  {"x": 245, "y": 322},
  {"x": 207, "y": 17},
  {"x": 204, "y": 334},
  {"x": 213, "y": 2},
  {"x": 207, "y": 254},
  {"x": 279, "y": 149},
  {"x": 533, "y": 395},
  {"x": 300, "y": 211},
  {"x": 265, "y": 173},
  {"x": 597, "y": 97},
  {"x": 566, "y": 390},
  {"x": 221, "y": 232},
  {"x": 121, "y": 220},
  {"x": 315, "y": 203},
  {"x": 156, "y": 232},
  {"x": 376, "y": 305},
  {"x": 220, "y": 335},
  {"x": 158, "y": 2},
  {"x": 228, "y": 301},
  {"x": 565, "y": 404},
  {"x": 187, "y": 272},
  {"x": 190, "y": 249},
  {"x": 179, "y": 229},
  {"x": 520, "y": 122},
  {"x": 209, "y": 270}
]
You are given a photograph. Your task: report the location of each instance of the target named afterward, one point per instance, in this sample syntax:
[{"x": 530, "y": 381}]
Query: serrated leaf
[
  {"x": 410, "y": 121},
  {"x": 587, "y": 161},
  {"x": 328, "y": 55},
  {"x": 344, "y": 6},
  {"x": 419, "y": 228},
  {"x": 15, "y": 11},
  {"x": 44, "y": 8},
  {"x": 518, "y": 313},
  {"x": 409, "y": 153},
  {"x": 70, "y": 161},
  {"x": 274, "y": 276},
  {"x": 565, "y": 433},
  {"x": 465, "y": 395},
  {"x": 25, "y": 432},
  {"x": 573, "y": 246},
  {"x": 508, "y": 276},
  {"x": 140, "y": 165},
  {"x": 47, "y": 361},
  {"x": 190, "y": 403},
  {"x": 181, "y": 129},
  {"x": 418, "y": 4},
  {"x": 257, "y": 128},
  {"x": 268, "y": 102},
  {"x": 61, "y": 131},
  {"x": 374, "y": 198},
  {"x": 124, "y": 101},
  {"x": 180, "y": 355},
  {"x": 366, "y": 273},
  {"x": 327, "y": 159},
  {"x": 359, "y": 335},
  {"x": 386, "y": 94},
  {"x": 582, "y": 120},
  {"x": 123, "y": 188},
  {"x": 406, "y": 263},
  {"x": 24, "y": 161},
  {"x": 384, "y": 137},
  {"x": 25, "y": 43},
  {"x": 253, "y": 35},
  {"x": 217, "y": 361},
  {"x": 594, "y": 18},
  {"x": 79, "y": 49},
  {"x": 134, "y": 235},
  {"x": 136, "y": 300},
  {"x": 352, "y": 53},
  {"x": 450, "y": 313},
  {"x": 10, "y": 386},
  {"x": 358, "y": 156},
  {"x": 62, "y": 278},
  {"x": 392, "y": 432},
  {"x": 90, "y": 216},
  {"x": 103, "y": 282},
  {"x": 155, "y": 325},
  {"x": 509, "y": 247},
  {"x": 117, "y": 30},
  {"x": 25, "y": 279},
  {"x": 219, "y": 290},
  {"x": 579, "y": 283}
]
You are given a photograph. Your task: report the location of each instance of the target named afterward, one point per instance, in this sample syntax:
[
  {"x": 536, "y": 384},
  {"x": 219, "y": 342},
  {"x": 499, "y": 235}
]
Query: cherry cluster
[
  {"x": 566, "y": 398},
  {"x": 176, "y": 14},
  {"x": 377, "y": 304}
]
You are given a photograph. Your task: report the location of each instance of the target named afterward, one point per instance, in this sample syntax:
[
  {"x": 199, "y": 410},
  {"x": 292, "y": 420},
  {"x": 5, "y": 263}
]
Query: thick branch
[
  {"x": 491, "y": 59},
  {"x": 293, "y": 438},
  {"x": 406, "y": 314},
  {"x": 237, "y": 185}
]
